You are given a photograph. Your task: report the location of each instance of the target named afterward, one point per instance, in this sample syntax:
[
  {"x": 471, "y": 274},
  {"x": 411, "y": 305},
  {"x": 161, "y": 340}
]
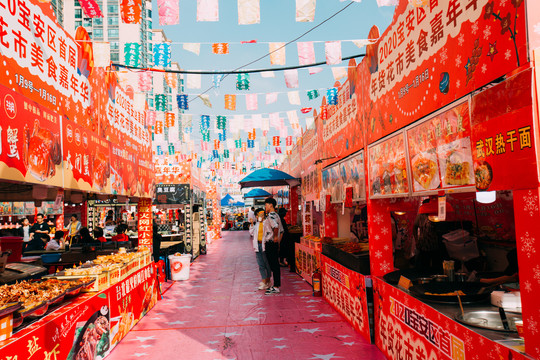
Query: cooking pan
[
  {"x": 443, "y": 292},
  {"x": 412, "y": 274}
]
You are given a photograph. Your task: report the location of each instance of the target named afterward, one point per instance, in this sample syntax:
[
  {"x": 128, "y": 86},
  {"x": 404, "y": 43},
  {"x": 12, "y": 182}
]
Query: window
[
  {"x": 149, "y": 13},
  {"x": 78, "y": 23},
  {"x": 150, "y": 102},
  {"x": 87, "y": 22},
  {"x": 112, "y": 20},
  {"x": 114, "y": 57},
  {"x": 112, "y": 9},
  {"x": 78, "y": 13},
  {"x": 98, "y": 34},
  {"x": 149, "y": 24},
  {"x": 114, "y": 45},
  {"x": 98, "y": 21},
  {"x": 113, "y": 33}
]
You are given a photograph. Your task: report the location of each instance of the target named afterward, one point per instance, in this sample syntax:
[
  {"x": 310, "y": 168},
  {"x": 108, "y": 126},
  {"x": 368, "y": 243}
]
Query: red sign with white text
[
  {"x": 144, "y": 222},
  {"x": 131, "y": 11}
]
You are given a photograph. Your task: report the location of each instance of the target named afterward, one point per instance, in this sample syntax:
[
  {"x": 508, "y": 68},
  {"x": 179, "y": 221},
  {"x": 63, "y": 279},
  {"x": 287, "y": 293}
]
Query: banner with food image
[
  {"x": 356, "y": 175},
  {"x": 30, "y": 141},
  {"x": 332, "y": 183},
  {"x": 440, "y": 152},
  {"x": 503, "y": 135},
  {"x": 118, "y": 179},
  {"x": 388, "y": 167}
]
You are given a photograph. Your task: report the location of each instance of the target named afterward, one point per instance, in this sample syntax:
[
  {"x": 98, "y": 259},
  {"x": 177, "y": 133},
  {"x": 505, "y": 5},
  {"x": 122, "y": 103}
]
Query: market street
[{"x": 219, "y": 314}]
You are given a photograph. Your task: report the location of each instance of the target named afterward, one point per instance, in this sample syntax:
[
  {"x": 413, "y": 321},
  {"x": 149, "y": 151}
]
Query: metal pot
[
  {"x": 440, "y": 278},
  {"x": 423, "y": 280}
]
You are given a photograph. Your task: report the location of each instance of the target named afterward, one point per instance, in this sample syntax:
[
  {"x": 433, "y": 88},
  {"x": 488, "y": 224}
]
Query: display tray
[
  {"x": 9, "y": 308},
  {"x": 358, "y": 262}
]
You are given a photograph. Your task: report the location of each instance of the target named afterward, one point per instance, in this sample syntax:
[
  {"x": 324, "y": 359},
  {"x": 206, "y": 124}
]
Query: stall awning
[
  {"x": 255, "y": 193},
  {"x": 268, "y": 177},
  {"x": 227, "y": 200}
]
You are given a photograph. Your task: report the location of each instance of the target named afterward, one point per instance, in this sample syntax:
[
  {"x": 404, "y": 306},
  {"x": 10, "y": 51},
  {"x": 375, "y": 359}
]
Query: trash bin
[{"x": 180, "y": 266}]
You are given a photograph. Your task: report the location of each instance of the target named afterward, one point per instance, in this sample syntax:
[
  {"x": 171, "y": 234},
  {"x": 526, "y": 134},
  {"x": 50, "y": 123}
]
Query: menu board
[
  {"x": 172, "y": 193},
  {"x": 388, "y": 167},
  {"x": 348, "y": 173},
  {"x": 440, "y": 151}
]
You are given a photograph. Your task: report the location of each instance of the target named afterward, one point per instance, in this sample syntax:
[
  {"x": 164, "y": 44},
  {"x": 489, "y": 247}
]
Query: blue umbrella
[
  {"x": 254, "y": 193},
  {"x": 268, "y": 177},
  {"x": 238, "y": 203},
  {"x": 227, "y": 200}
]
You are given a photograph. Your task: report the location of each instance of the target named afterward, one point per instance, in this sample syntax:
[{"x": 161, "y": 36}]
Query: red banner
[
  {"x": 440, "y": 151},
  {"x": 91, "y": 8},
  {"x": 408, "y": 328},
  {"x": 503, "y": 136},
  {"x": 307, "y": 260},
  {"x": 89, "y": 326},
  {"x": 131, "y": 11},
  {"x": 345, "y": 290},
  {"x": 30, "y": 142},
  {"x": 433, "y": 55}
]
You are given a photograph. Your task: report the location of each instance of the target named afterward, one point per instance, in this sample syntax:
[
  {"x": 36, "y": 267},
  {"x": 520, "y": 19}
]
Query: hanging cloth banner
[
  {"x": 251, "y": 102},
  {"x": 331, "y": 94},
  {"x": 150, "y": 118},
  {"x": 324, "y": 112},
  {"x": 131, "y": 11},
  {"x": 293, "y": 118},
  {"x": 310, "y": 121},
  {"x": 332, "y": 50},
  {"x": 361, "y": 43},
  {"x": 193, "y": 81},
  {"x": 274, "y": 119},
  {"x": 182, "y": 101},
  {"x": 221, "y": 122},
  {"x": 242, "y": 82},
  {"x": 268, "y": 74},
  {"x": 220, "y": 48},
  {"x": 250, "y": 144},
  {"x": 275, "y": 141},
  {"x": 205, "y": 123},
  {"x": 249, "y": 12},
  {"x": 158, "y": 127},
  {"x": 291, "y": 78},
  {"x": 169, "y": 11},
  {"x": 387, "y": 2},
  {"x": 339, "y": 72},
  {"x": 306, "y": 53},
  {"x": 265, "y": 124},
  {"x": 160, "y": 101},
  {"x": 294, "y": 97},
  {"x": 277, "y": 53},
  {"x": 222, "y": 135},
  {"x": 278, "y": 150},
  {"x": 171, "y": 79},
  {"x": 169, "y": 120},
  {"x": 238, "y": 143},
  {"x": 271, "y": 98},
  {"x": 226, "y": 153},
  {"x": 217, "y": 144},
  {"x": 162, "y": 54},
  {"x": 91, "y": 8},
  {"x": 193, "y": 47},
  {"x": 288, "y": 141},
  {"x": 315, "y": 70},
  {"x": 305, "y": 10},
  {"x": 312, "y": 94},
  {"x": 206, "y": 137},
  {"x": 206, "y": 100},
  {"x": 145, "y": 81},
  {"x": 248, "y": 124},
  {"x": 132, "y": 54},
  {"x": 216, "y": 80},
  {"x": 230, "y": 102},
  {"x": 102, "y": 54},
  {"x": 207, "y": 10},
  {"x": 305, "y": 110}
]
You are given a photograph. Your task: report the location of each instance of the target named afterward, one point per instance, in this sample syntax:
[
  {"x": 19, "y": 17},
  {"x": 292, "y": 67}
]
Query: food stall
[
  {"x": 453, "y": 124},
  {"x": 172, "y": 201}
]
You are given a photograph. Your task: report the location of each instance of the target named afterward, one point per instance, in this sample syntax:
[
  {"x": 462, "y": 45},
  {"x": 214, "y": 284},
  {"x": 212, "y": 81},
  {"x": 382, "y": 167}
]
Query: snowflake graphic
[
  {"x": 502, "y": 3},
  {"x": 385, "y": 266},
  {"x": 507, "y": 54},
  {"x": 384, "y": 230},
  {"x": 435, "y": 97},
  {"x": 458, "y": 84},
  {"x": 386, "y": 247},
  {"x": 67, "y": 105},
  {"x": 531, "y": 203},
  {"x": 536, "y": 273},
  {"x": 387, "y": 100},
  {"x": 461, "y": 39},
  {"x": 482, "y": 340},
  {"x": 487, "y": 32},
  {"x": 377, "y": 237},
  {"x": 458, "y": 61},
  {"x": 533, "y": 326},
  {"x": 444, "y": 56},
  {"x": 378, "y": 219},
  {"x": 527, "y": 285},
  {"x": 527, "y": 244},
  {"x": 484, "y": 68},
  {"x": 474, "y": 28},
  {"x": 378, "y": 254}
]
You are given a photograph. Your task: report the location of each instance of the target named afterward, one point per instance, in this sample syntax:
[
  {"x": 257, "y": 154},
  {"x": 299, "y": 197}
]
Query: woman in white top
[
  {"x": 25, "y": 232},
  {"x": 259, "y": 232}
]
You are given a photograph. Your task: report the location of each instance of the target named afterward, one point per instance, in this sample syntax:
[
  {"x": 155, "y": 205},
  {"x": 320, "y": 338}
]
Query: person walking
[
  {"x": 272, "y": 244},
  {"x": 259, "y": 232},
  {"x": 251, "y": 216}
]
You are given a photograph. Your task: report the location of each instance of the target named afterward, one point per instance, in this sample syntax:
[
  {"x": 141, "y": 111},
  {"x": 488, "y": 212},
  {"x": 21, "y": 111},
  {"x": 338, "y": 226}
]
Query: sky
[{"x": 277, "y": 25}]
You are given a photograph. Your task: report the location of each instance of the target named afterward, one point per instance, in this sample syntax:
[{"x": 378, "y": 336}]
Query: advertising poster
[
  {"x": 307, "y": 218},
  {"x": 433, "y": 55},
  {"x": 307, "y": 261},
  {"x": 172, "y": 194},
  {"x": 345, "y": 290},
  {"x": 340, "y": 132},
  {"x": 30, "y": 140},
  {"x": 408, "y": 328},
  {"x": 348, "y": 173},
  {"x": 503, "y": 136},
  {"x": 145, "y": 232},
  {"x": 388, "y": 167},
  {"x": 130, "y": 300},
  {"x": 440, "y": 153}
]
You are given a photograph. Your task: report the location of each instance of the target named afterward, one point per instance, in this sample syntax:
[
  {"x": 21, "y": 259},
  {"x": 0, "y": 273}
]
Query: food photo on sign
[{"x": 92, "y": 337}]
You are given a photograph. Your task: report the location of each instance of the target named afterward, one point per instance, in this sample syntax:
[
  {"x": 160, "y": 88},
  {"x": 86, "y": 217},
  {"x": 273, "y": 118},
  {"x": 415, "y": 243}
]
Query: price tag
[{"x": 442, "y": 208}]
